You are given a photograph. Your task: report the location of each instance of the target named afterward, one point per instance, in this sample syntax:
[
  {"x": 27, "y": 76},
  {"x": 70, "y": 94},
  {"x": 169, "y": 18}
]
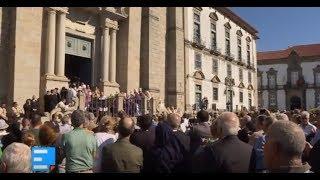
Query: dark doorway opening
[
  {"x": 295, "y": 102},
  {"x": 78, "y": 69}
]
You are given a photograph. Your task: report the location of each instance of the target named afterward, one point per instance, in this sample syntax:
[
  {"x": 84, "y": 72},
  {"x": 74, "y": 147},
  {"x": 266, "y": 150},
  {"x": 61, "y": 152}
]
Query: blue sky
[{"x": 280, "y": 27}]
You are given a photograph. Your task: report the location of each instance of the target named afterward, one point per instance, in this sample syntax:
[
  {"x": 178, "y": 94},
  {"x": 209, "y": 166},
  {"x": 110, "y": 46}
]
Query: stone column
[
  {"x": 105, "y": 54},
  {"x": 60, "y": 45},
  {"x": 112, "y": 63},
  {"x": 50, "y": 43}
]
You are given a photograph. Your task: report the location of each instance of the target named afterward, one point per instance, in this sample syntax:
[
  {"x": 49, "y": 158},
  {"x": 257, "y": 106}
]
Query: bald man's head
[
  {"x": 174, "y": 120},
  {"x": 126, "y": 127},
  {"x": 227, "y": 124}
]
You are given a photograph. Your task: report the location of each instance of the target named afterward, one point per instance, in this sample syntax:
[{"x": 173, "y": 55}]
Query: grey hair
[
  {"x": 305, "y": 113},
  {"x": 289, "y": 136},
  {"x": 228, "y": 125},
  {"x": 17, "y": 158}
]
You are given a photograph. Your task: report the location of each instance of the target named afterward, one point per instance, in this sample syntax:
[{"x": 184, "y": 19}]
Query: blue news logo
[{"x": 42, "y": 158}]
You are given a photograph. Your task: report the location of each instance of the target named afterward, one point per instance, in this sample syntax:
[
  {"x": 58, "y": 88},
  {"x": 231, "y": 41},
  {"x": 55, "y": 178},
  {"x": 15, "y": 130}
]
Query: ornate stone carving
[
  {"x": 229, "y": 81},
  {"x": 213, "y": 16},
  {"x": 199, "y": 75},
  {"x": 215, "y": 79},
  {"x": 239, "y": 33},
  {"x": 241, "y": 85}
]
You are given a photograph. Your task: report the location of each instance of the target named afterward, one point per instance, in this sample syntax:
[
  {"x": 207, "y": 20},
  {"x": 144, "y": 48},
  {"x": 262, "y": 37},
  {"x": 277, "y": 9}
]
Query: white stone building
[
  {"x": 220, "y": 59},
  {"x": 289, "y": 78}
]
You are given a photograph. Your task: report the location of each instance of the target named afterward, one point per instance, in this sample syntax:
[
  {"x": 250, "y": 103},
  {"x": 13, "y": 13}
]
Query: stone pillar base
[
  {"x": 189, "y": 108},
  {"x": 110, "y": 88},
  {"x": 49, "y": 82}
]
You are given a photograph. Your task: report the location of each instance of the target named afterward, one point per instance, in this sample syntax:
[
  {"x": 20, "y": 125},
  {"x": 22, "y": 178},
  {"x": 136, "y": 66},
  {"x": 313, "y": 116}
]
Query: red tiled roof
[{"x": 302, "y": 51}]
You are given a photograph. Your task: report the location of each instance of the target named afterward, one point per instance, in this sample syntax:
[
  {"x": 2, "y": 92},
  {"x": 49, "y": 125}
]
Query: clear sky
[{"x": 280, "y": 27}]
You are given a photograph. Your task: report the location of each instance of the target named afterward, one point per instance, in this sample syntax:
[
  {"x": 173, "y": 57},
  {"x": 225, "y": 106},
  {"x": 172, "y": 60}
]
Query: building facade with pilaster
[
  {"x": 220, "y": 59},
  {"x": 289, "y": 78}
]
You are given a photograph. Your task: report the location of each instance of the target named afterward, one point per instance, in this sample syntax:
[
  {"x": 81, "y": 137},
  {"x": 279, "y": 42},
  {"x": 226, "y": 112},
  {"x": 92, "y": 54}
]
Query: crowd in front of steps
[{"x": 257, "y": 141}]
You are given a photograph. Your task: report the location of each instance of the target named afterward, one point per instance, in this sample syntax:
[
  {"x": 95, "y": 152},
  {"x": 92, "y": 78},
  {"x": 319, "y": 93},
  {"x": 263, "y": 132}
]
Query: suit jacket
[
  {"x": 227, "y": 155},
  {"x": 122, "y": 156},
  {"x": 145, "y": 141},
  {"x": 185, "y": 140}
]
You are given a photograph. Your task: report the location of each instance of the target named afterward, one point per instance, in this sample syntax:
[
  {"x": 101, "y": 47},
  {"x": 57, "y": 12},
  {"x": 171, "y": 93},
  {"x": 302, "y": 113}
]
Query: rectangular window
[
  {"x": 317, "y": 79},
  {"x": 272, "y": 81},
  {"x": 228, "y": 47},
  {"x": 196, "y": 28},
  {"x": 239, "y": 49},
  {"x": 215, "y": 66},
  {"x": 229, "y": 73},
  {"x": 250, "y": 99},
  {"x": 240, "y": 74},
  {"x": 215, "y": 94},
  {"x": 259, "y": 81},
  {"x": 272, "y": 99},
  {"x": 197, "y": 62},
  {"x": 249, "y": 78},
  {"x": 241, "y": 97},
  {"x": 198, "y": 96},
  {"x": 317, "y": 99},
  {"x": 227, "y": 37},
  {"x": 227, "y": 33},
  {"x": 294, "y": 78},
  {"x": 248, "y": 53},
  {"x": 213, "y": 36}
]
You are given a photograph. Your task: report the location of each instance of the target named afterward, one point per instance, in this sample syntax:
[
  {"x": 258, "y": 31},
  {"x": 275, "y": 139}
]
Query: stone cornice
[{"x": 59, "y": 9}]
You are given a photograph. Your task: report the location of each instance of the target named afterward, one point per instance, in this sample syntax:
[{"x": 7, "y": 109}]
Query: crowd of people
[
  {"x": 256, "y": 141},
  {"x": 96, "y": 101}
]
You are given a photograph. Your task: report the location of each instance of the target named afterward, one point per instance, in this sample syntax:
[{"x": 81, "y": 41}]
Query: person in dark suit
[
  {"x": 228, "y": 154},
  {"x": 168, "y": 153},
  {"x": 46, "y": 101},
  {"x": 200, "y": 131},
  {"x": 52, "y": 101},
  {"x": 122, "y": 156},
  {"x": 144, "y": 138},
  {"x": 175, "y": 120}
]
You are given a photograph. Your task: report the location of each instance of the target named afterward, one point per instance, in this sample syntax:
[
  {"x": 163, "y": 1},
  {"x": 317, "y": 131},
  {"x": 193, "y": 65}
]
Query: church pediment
[
  {"x": 250, "y": 87},
  {"x": 227, "y": 25},
  {"x": 241, "y": 85},
  {"x": 199, "y": 75},
  {"x": 213, "y": 16},
  {"x": 239, "y": 33},
  {"x": 215, "y": 79}
]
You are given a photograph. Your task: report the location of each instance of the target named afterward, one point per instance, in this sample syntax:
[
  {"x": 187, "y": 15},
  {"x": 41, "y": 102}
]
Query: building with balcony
[
  {"x": 220, "y": 59},
  {"x": 290, "y": 78}
]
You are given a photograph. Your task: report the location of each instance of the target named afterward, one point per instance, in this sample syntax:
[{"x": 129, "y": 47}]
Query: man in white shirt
[{"x": 306, "y": 126}]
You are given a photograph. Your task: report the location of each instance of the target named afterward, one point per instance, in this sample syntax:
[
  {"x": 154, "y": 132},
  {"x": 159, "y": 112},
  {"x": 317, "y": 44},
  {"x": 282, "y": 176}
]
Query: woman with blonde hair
[{"x": 106, "y": 135}]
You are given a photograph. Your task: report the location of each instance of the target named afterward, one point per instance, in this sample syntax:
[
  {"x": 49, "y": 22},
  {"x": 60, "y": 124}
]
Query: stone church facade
[
  {"x": 290, "y": 78},
  {"x": 115, "y": 48}
]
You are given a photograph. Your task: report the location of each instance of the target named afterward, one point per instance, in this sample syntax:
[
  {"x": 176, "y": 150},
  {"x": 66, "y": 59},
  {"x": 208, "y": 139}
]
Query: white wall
[
  {"x": 310, "y": 98},
  {"x": 307, "y": 70},
  {"x": 281, "y": 99}
]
